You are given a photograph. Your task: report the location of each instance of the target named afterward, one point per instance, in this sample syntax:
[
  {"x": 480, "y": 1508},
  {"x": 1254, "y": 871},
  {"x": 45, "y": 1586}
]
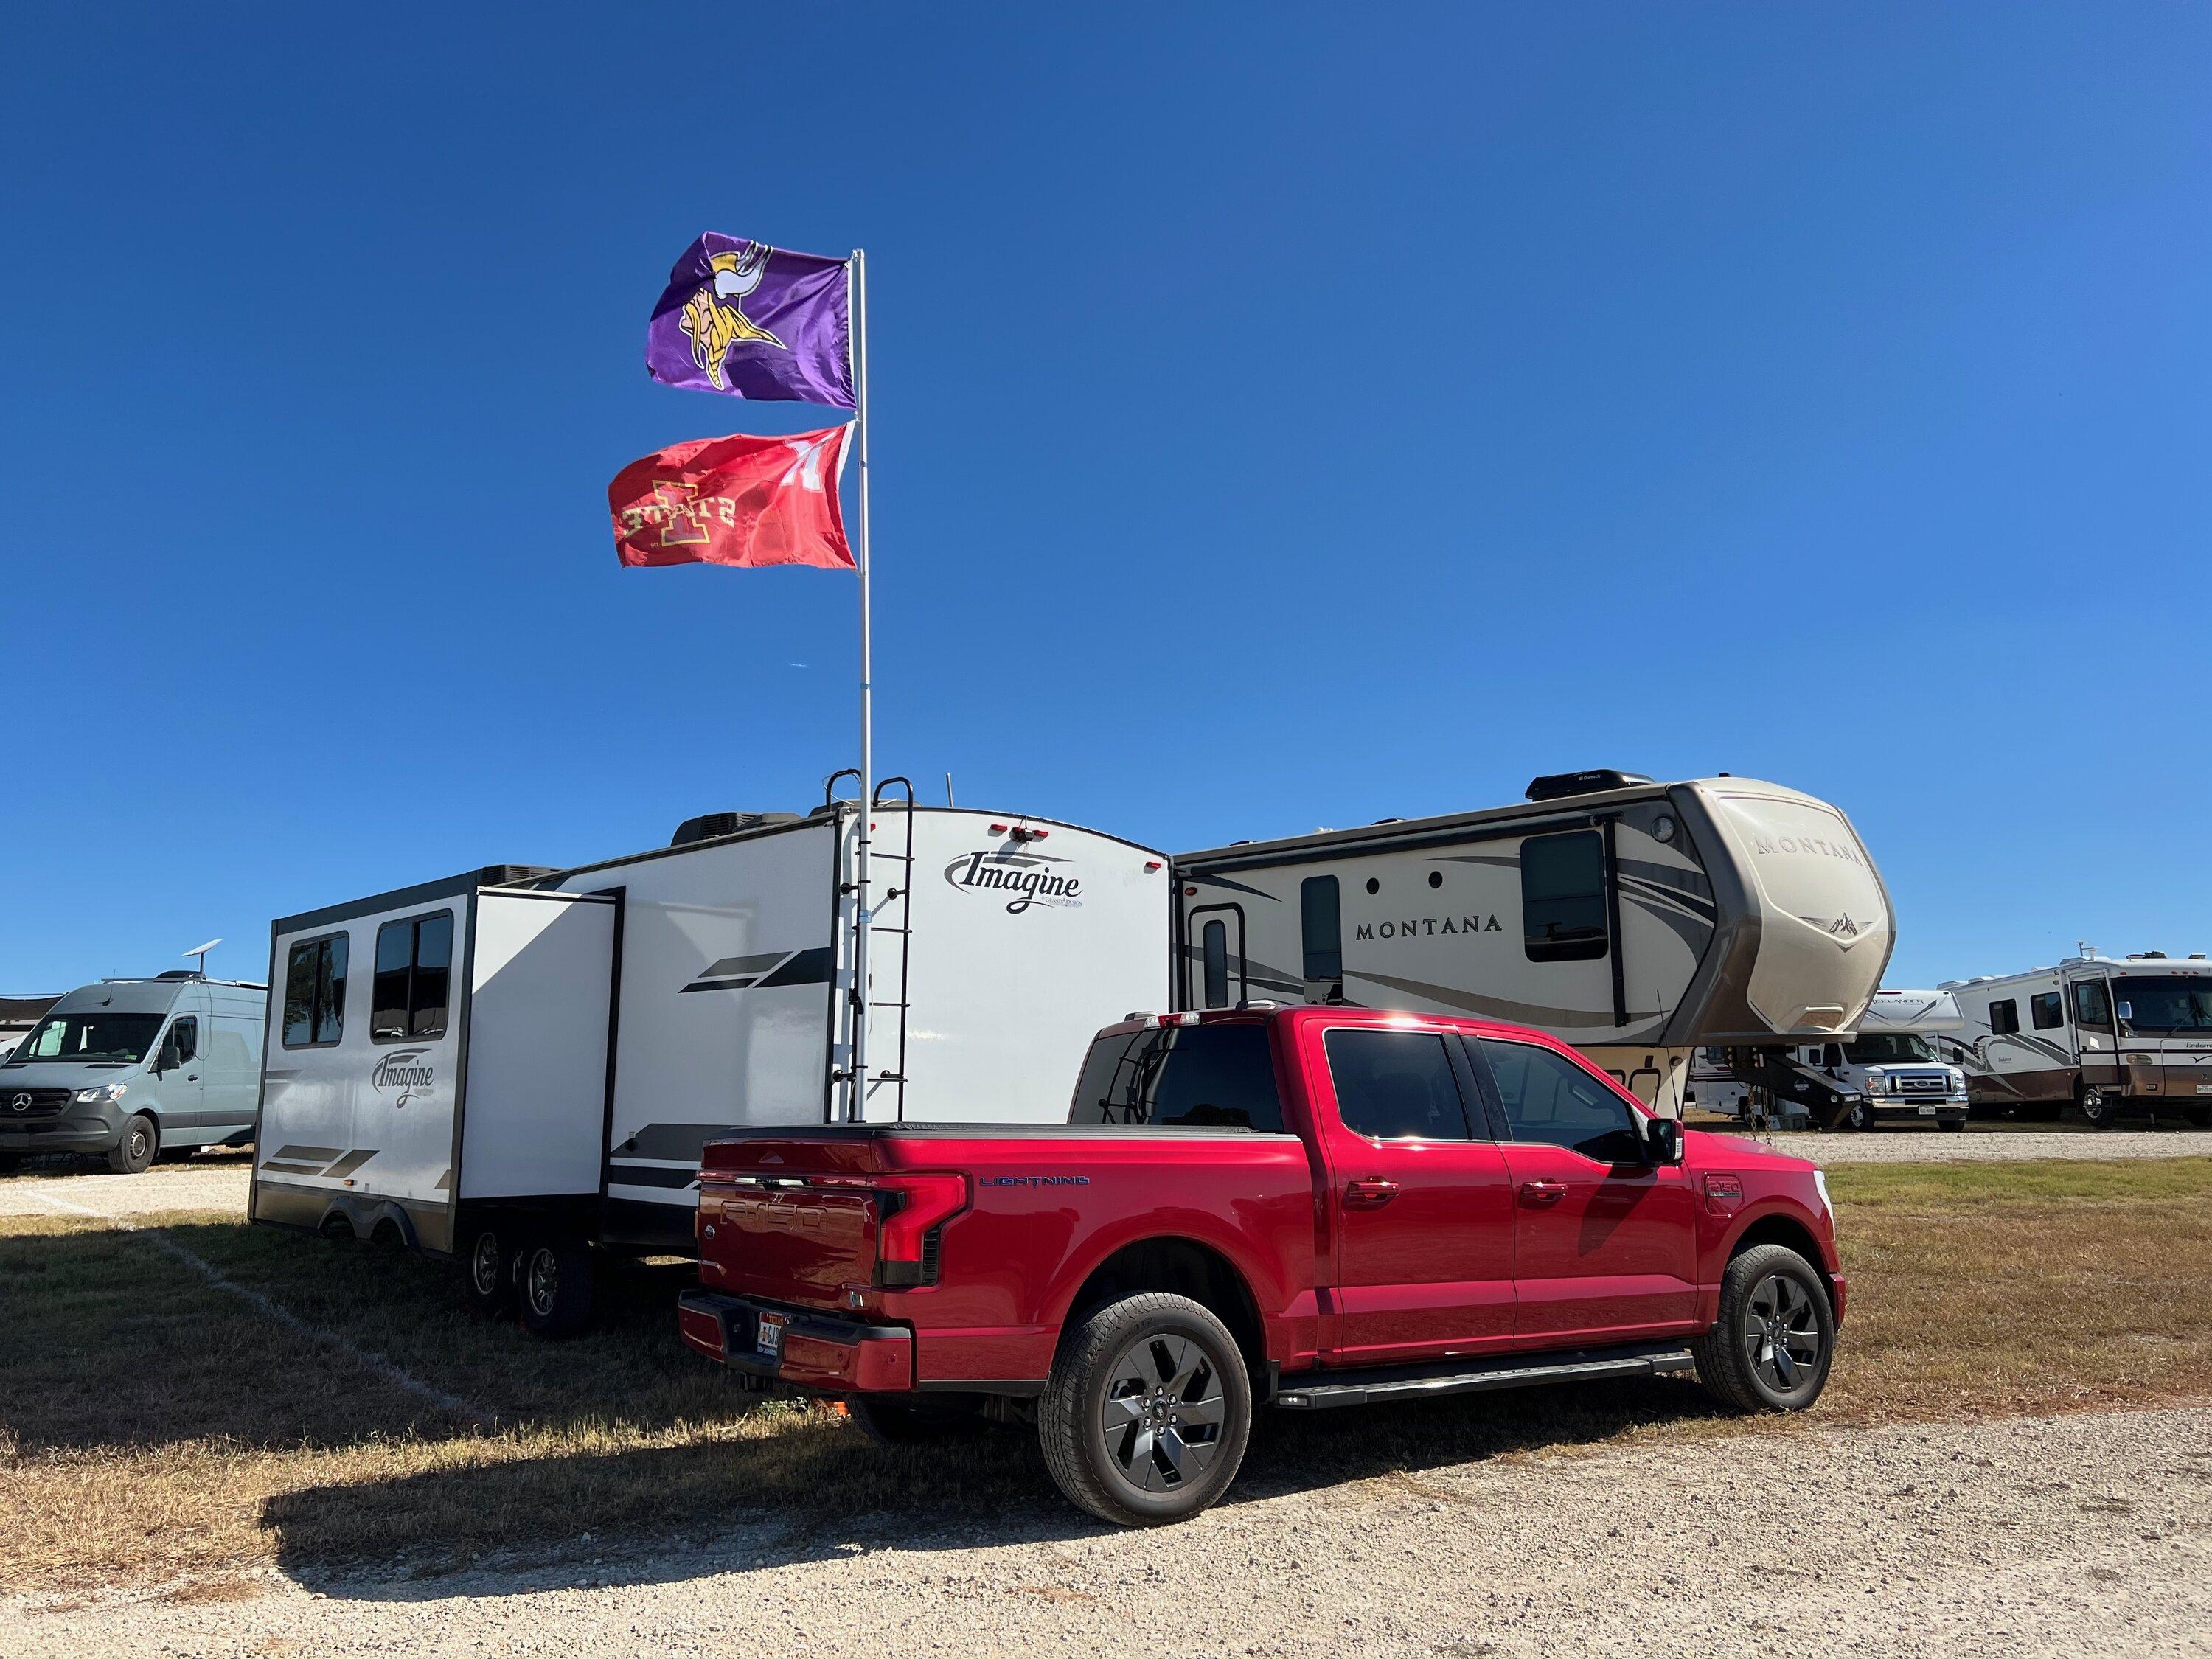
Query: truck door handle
[
  {"x": 1541, "y": 1193},
  {"x": 1370, "y": 1191}
]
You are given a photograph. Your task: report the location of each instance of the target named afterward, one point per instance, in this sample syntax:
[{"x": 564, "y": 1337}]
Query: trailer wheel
[
  {"x": 488, "y": 1268},
  {"x": 901, "y": 1420},
  {"x": 1862, "y": 1117},
  {"x": 1145, "y": 1418},
  {"x": 1770, "y": 1348},
  {"x": 135, "y": 1151},
  {"x": 555, "y": 1285},
  {"x": 2097, "y": 1110}
]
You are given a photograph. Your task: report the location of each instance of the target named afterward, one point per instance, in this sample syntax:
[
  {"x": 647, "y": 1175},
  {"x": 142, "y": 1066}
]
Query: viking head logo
[{"x": 714, "y": 316}]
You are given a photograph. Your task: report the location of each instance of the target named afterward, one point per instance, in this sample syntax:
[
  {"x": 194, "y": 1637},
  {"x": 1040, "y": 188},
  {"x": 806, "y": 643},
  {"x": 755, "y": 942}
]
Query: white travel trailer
[
  {"x": 516, "y": 1064},
  {"x": 1633, "y": 920},
  {"x": 2110, "y": 1035}
]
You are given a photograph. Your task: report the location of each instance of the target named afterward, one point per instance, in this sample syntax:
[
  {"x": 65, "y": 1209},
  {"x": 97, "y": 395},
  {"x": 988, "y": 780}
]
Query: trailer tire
[
  {"x": 555, "y": 1283},
  {"x": 1770, "y": 1348},
  {"x": 913, "y": 1420},
  {"x": 1862, "y": 1117},
  {"x": 1114, "y": 1387},
  {"x": 488, "y": 1270},
  {"x": 2096, "y": 1107},
  {"x": 136, "y": 1147}
]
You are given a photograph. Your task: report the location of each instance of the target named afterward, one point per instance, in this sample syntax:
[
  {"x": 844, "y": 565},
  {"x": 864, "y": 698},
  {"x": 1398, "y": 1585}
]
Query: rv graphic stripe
[{"x": 772, "y": 971}]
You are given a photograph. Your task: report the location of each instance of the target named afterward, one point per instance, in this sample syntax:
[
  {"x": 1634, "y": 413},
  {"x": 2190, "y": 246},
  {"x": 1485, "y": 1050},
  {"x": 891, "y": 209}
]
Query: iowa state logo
[{"x": 1025, "y": 878}]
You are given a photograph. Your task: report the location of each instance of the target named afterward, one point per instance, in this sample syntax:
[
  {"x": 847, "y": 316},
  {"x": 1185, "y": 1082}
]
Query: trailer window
[
  {"x": 1214, "y": 945},
  {"x": 314, "y": 993},
  {"x": 1320, "y": 922},
  {"x": 1562, "y": 896},
  {"x": 2004, "y": 1018},
  {"x": 2091, "y": 1005},
  {"x": 1218, "y": 1075},
  {"x": 2046, "y": 1010},
  {"x": 414, "y": 963},
  {"x": 1550, "y": 1100},
  {"x": 1397, "y": 1085}
]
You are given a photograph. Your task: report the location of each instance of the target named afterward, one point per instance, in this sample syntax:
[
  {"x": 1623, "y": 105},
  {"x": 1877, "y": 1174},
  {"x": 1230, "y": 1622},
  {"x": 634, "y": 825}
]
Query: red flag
[{"x": 735, "y": 501}]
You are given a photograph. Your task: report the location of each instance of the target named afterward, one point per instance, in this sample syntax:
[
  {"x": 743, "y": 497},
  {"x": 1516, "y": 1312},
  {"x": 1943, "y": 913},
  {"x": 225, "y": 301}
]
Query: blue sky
[{"x": 1284, "y": 416}]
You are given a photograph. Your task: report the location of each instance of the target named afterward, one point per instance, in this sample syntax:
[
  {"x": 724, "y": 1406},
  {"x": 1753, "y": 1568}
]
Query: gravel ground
[
  {"x": 2083, "y": 1535},
  {"x": 212, "y": 1182},
  {"x": 1974, "y": 1145}
]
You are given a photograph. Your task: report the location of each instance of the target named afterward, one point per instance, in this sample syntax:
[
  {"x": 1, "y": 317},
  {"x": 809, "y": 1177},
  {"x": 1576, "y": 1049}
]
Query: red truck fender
[{"x": 1772, "y": 1219}]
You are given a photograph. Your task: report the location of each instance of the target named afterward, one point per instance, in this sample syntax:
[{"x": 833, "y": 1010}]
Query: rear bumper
[{"x": 820, "y": 1351}]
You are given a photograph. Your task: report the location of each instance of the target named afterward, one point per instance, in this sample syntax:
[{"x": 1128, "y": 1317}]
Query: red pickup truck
[{"x": 1308, "y": 1207}]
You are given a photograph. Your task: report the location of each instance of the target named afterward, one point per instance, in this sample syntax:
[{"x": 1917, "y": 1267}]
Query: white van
[{"x": 136, "y": 1069}]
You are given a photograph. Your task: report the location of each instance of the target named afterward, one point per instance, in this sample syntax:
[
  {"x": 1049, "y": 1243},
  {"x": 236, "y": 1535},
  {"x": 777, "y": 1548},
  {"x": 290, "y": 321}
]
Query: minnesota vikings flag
[
  {"x": 735, "y": 501},
  {"x": 754, "y": 321}
]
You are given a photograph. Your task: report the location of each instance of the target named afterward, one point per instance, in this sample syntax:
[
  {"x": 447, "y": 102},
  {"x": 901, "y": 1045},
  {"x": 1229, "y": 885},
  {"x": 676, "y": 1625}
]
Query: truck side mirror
[{"x": 1663, "y": 1137}]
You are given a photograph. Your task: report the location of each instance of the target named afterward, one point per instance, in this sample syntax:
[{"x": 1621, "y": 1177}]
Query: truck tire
[
  {"x": 488, "y": 1270},
  {"x": 912, "y": 1420},
  {"x": 1771, "y": 1346},
  {"x": 1862, "y": 1117},
  {"x": 2098, "y": 1109},
  {"x": 1145, "y": 1418},
  {"x": 554, "y": 1283},
  {"x": 141, "y": 1142}
]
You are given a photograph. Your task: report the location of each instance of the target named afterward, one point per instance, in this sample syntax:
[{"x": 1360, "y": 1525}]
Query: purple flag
[{"x": 754, "y": 321}]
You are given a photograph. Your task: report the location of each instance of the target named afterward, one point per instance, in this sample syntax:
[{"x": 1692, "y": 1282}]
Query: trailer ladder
[{"x": 901, "y": 894}]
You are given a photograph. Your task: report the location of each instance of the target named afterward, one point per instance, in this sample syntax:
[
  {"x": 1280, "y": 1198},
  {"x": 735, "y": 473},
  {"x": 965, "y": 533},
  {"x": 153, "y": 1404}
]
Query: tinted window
[
  {"x": 184, "y": 1038},
  {"x": 414, "y": 961},
  {"x": 1549, "y": 1098},
  {"x": 1885, "y": 1048},
  {"x": 2004, "y": 1017},
  {"x": 314, "y": 991},
  {"x": 1393, "y": 1085},
  {"x": 1221, "y": 1076},
  {"x": 2091, "y": 1006},
  {"x": 1215, "y": 946},
  {"x": 2044, "y": 1009},
  {"x": 1320, "y": 922},
  {"x": 2174, "y": 1004},
  {"x": 1562, "y": 896}
]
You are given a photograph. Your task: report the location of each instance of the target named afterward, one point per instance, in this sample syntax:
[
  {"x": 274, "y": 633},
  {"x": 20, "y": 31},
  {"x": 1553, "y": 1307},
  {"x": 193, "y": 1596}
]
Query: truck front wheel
[
  {"x": 135, "y": 1150},
  {"x": 1770, "y": 1348},
  {"x": 1145, "y": 1418}
]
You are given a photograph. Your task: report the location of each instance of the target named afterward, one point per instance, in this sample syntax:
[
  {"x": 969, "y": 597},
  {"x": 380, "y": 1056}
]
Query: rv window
[
  {"x": 1397, "y": 1085},
  {"x": 1216, "y": 951},
  {"x": 1551, "y": 1100},
  {"x": 2004, "y": 1018},
  {"x": 2091, "y": 1006},
  {"x": 1321, "y": 921},
  {"x": 2165, "y": 1004},
  {"x": 1562, "y": 896},
  {"x": 314, "y": 993},
  {"x": 2046, "y": 1010},
  {"x": 1196, "y": 1076},
  {"x": 414, "y": 959}
]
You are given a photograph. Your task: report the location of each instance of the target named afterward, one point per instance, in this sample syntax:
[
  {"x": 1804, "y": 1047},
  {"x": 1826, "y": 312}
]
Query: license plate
[
  {"x": 1927, "y": 1110},
  {"x": 770, "y": 1337}
]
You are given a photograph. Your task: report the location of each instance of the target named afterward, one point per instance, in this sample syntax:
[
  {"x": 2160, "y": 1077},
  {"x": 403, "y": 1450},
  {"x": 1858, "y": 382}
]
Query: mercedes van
[{"x": 136, "y": 1069}]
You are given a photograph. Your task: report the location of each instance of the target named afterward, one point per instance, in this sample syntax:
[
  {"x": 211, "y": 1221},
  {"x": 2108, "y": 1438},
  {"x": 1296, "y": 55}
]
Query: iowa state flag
[{"x": 735, "y": 501}]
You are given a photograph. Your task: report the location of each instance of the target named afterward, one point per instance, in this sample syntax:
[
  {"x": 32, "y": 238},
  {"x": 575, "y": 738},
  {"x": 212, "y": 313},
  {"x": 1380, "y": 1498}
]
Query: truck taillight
[{"x": 913, "y": 1207}]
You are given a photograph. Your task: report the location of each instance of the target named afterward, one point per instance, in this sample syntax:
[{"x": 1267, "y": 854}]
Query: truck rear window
[{"x": 1193, "y": 1076}]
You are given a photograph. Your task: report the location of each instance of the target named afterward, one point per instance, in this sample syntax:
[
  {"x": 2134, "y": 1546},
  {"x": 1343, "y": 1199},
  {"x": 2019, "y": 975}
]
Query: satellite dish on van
[{"x": 201, "y": 951}]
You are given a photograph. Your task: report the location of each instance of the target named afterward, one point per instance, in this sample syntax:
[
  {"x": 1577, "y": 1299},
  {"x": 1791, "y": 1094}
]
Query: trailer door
[
  {"x": 1216, "y": 955},
  {"x": 534, "y": 1100}
]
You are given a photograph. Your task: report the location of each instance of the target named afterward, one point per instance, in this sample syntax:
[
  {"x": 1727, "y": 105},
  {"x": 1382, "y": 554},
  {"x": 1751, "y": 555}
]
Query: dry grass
[{"x": 152, "y": 1427}]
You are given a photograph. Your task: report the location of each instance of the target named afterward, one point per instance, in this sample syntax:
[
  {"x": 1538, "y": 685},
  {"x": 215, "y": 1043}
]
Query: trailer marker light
[
  {"x": 1152, "y": 865},
  {"x": 998, "y": 828}
]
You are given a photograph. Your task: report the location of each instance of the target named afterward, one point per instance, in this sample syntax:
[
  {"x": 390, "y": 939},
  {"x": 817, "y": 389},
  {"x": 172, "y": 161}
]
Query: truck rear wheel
[
  {"x": 488, "y": 1267},
  {"x": 1770, "y": 1348},
  {"x": 900, "y": 1420},
  {"x": 555, "y": 1285},
  {"x": 134, "y": 1151},
  {"x": 1147, "y": 1411}
]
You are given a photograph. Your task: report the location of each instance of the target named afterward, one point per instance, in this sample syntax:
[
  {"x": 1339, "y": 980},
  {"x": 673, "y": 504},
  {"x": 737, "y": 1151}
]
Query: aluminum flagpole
[{"x": 857, "y": 1107}]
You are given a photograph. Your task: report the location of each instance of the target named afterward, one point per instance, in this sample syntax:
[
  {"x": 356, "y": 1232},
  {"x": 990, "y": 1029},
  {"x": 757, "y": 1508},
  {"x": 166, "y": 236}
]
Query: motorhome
[
  {"x": 134, "y": 1070},
  {"x": 2111, "y": 1035},
  {"x": 17, "y": 1016},
  {"x": 1633, "y": 920},
  {"x": 517, "y": 1064}
]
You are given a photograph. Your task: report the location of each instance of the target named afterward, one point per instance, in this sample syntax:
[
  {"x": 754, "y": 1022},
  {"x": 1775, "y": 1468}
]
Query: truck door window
[
  {"x": 414, "y": 960},
  {"x": 2044, "y": 1009},
  {"x": 1550, "y": 1099},
  {"x": 2004, "y": 1018},
  {"x": 2091, "y": 1006},
  {"x": 1219, "y": 1076},
  {"x": 1397, "y": 1085},
  {"x": 314, "y": 993},
  {"x": 1562, "y": 896},
  {"x": 1320, "y": 923},
  {"x": 183, "y": 1039},
  {"x": 1214, "y": 945}
]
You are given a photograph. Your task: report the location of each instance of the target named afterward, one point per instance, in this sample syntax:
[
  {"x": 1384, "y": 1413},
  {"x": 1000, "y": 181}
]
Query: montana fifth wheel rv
[
  {"x": 1632, "y": 919},
  {"x": 2133, "y": 1035},
  {"x": 514, "y": 1065}
]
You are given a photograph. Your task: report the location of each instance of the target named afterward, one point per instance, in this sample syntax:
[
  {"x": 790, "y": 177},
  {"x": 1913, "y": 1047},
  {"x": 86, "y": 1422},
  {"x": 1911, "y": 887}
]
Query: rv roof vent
[
  {"x": 1560, "y": 785},
  {"x": 509, "y": 875},
  {"x": 708, "y": 826},
  {"x": 2197, "y": 956}
]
